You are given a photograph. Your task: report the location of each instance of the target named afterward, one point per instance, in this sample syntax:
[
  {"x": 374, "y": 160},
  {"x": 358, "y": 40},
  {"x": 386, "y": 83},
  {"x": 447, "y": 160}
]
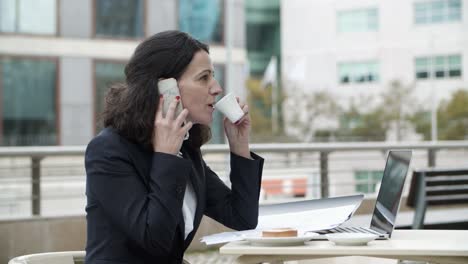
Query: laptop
[{"x": 388, "y": 199}]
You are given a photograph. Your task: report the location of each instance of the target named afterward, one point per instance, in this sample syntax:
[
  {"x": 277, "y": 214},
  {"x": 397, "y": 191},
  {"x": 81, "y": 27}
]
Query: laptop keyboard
[{"x": 351, "y": 230}]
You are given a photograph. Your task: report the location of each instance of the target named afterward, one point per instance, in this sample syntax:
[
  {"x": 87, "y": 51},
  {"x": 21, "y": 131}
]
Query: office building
[
  {"x": 57, "y": 58},
  {"x": 356, "y": 47}
]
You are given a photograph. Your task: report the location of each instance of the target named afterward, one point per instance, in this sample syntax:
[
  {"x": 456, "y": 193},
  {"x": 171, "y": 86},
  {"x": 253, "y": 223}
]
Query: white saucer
[
  {"x": 351, "y": 239},
  {"x": 280, "y": 241}
]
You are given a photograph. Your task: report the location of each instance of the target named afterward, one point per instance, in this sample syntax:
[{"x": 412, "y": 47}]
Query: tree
[
  {"x": 259, "y": 103},
  {"x": 390, "y": 110},
  {"x": 358, "y": 124},
  {"x": 397, "y": 102},
  {"x": 259, "y": 100},
  {"x": 304, "y": 110},
  {"x": 421, "y": 119},
  {"x": 452, "y": 118}
]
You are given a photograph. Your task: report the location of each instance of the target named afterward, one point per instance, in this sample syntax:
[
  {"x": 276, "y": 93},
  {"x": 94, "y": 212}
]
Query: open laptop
[{"x": 388, "y": 199}]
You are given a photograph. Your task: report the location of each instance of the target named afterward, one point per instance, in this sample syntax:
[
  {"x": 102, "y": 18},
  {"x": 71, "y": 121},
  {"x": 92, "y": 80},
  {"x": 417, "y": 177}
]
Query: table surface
[{"x": 403, "y": 243}]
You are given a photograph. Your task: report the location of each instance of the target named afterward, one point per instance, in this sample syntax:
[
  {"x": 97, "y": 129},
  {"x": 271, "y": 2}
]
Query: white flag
[
  {"x": 298, "y": 70},
  {"x": 269, "y": 77}
]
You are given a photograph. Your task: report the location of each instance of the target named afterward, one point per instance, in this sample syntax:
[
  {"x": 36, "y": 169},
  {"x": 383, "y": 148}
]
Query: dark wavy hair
[{"x": 130, "y": 107}]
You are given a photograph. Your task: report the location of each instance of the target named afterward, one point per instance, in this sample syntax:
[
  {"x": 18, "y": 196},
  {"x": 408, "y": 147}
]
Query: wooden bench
[{"x": 436, "y": 187}]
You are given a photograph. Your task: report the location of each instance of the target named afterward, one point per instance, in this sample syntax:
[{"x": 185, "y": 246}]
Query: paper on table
[
  {"x": 312, "y": 220},
  {"x": 227, "y": 237},
  {"x": 307, "y": 220}
]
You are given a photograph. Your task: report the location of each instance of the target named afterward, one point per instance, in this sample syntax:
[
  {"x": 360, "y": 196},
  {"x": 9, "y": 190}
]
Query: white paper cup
[{"x": 229, "y": 106}]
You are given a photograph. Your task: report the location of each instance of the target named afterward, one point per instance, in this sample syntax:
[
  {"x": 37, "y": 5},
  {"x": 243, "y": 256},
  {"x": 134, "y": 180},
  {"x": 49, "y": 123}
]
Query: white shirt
[{"x": 188, "y": 208}]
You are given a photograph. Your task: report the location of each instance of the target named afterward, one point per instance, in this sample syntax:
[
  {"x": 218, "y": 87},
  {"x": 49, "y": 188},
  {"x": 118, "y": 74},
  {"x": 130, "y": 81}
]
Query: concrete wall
[
  {"x": 76, "y": 18},
  {"x": 76, "y": 101},
  {"x": 239, "y": 75},
  {"x": 238, "y": 23},
  {"x": 161, "y": 15},
  {"x": 35, "y": 235}
]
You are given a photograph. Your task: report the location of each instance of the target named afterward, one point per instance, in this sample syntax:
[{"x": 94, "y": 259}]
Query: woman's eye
[{"x": 205, "y": 77}]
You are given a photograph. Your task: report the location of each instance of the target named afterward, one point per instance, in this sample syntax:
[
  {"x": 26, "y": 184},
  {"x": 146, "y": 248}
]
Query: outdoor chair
[
  {"x": 436, "y": 187},
  {"x": 65, "y": 257}
]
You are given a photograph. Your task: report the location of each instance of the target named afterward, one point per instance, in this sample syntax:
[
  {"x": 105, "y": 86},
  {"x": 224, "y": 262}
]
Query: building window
[
  {"x": 28, "y": 109},
  {"x": 422, "y": 67},
  {"x": 437, "y": 11},
  {"x": 366, "y": 181},
  {"x": 438, "y": 67},
  {"x": 362, "y": 20},
  {"x": 358, "y": 72},
  {"x": 119, "y": 18},
  {"x": 203, "y": 19},
  {"x": 28, "y": 16},
  {"x": 105, "y": 74}
]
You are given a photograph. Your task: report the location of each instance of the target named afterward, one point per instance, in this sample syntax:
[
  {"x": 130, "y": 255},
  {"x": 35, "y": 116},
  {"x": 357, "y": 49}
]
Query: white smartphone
[{"x": 169, "y": 89}]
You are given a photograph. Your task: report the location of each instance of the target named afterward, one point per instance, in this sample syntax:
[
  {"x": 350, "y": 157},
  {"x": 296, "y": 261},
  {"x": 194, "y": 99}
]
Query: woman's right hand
[{"x": 168, "y": 132}]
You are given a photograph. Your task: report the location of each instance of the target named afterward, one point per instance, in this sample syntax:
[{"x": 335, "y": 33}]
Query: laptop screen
[{"x": 391, "y": 188}]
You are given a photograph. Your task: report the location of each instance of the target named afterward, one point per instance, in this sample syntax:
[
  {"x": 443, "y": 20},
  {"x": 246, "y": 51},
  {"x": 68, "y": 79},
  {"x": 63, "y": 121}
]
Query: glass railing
[{"x": 50, "y": 181}]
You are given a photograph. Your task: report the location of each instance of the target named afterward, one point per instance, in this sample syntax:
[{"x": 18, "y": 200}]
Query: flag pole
[
  {"x": 274, "y": 105},
  {"x": 434, "y": 102},
  {"x": 270, "y": 77}
]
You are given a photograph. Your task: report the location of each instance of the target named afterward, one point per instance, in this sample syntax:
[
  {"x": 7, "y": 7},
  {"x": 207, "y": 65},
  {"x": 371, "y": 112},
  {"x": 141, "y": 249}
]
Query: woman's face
[{"x": 198, "y": 89}]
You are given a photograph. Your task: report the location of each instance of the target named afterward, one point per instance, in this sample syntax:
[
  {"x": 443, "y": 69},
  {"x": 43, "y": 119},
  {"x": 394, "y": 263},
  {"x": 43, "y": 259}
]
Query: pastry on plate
[{"x": 279, "y": 232}]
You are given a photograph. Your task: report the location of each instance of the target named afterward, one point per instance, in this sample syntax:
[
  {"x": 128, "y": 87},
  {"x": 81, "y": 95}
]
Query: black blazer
[{"x": 135, "y": 197}]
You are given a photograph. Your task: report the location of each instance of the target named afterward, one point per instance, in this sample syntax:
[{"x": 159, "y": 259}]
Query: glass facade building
[
  {"x": 203, "y": 19},
  {"x": 262, "y": 33},
  {"x": 28, "y": 16},
  {"x": 52, "y": 90},
  {"x": 28, "y": 94}
]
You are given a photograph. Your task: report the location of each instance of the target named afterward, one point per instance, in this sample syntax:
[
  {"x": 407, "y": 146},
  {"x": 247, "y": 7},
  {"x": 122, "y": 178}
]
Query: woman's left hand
[{"x": 238, "y": 133}]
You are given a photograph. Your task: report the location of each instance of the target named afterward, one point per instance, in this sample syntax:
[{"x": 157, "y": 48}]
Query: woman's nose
[{"x": 216, "y": 88}]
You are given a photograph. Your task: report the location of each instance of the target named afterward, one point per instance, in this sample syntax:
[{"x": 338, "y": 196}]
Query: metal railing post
[
  {"x": 324, "y": 174},
  {"x": 36, "y": 185},
  {"x": 431, "y": 157},
  {"x": 420, "y": 203}
]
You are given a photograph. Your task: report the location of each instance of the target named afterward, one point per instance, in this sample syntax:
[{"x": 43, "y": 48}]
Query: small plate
[
  {"x": 280, "y": 241},
  {"x": 351, "y": 239}
]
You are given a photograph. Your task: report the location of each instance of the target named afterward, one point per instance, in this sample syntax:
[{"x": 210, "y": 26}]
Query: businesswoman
[{"x": 147, "y": 188}]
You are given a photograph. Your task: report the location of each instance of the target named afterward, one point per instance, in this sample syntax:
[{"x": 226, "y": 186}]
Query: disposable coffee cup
[{"x": 230, "y": 108}]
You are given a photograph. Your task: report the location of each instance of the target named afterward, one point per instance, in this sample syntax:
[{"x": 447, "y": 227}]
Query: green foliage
[
  {"x": 259, "y": 100},
  {"x": 306, "y": 109},
  {"x": 356, "y": 125},
  {"x": 371, "y": 119},
  {"x": 421, "y": 119},
  {"x": 372, "y": 124},
  {"x": 452, "y": 117}
]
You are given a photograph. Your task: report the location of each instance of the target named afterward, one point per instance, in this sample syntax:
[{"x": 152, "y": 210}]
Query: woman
[{"x": 147, "y": 188}]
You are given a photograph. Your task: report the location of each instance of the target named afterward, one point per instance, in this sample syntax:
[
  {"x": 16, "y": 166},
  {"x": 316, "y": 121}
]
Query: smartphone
[{"x": 169, "y": 89}]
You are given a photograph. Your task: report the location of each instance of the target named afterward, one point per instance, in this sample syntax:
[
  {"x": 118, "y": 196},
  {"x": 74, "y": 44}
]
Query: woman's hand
[
  {"x": 238, "y": 133},
  {"x": 168, "y": 132}
]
